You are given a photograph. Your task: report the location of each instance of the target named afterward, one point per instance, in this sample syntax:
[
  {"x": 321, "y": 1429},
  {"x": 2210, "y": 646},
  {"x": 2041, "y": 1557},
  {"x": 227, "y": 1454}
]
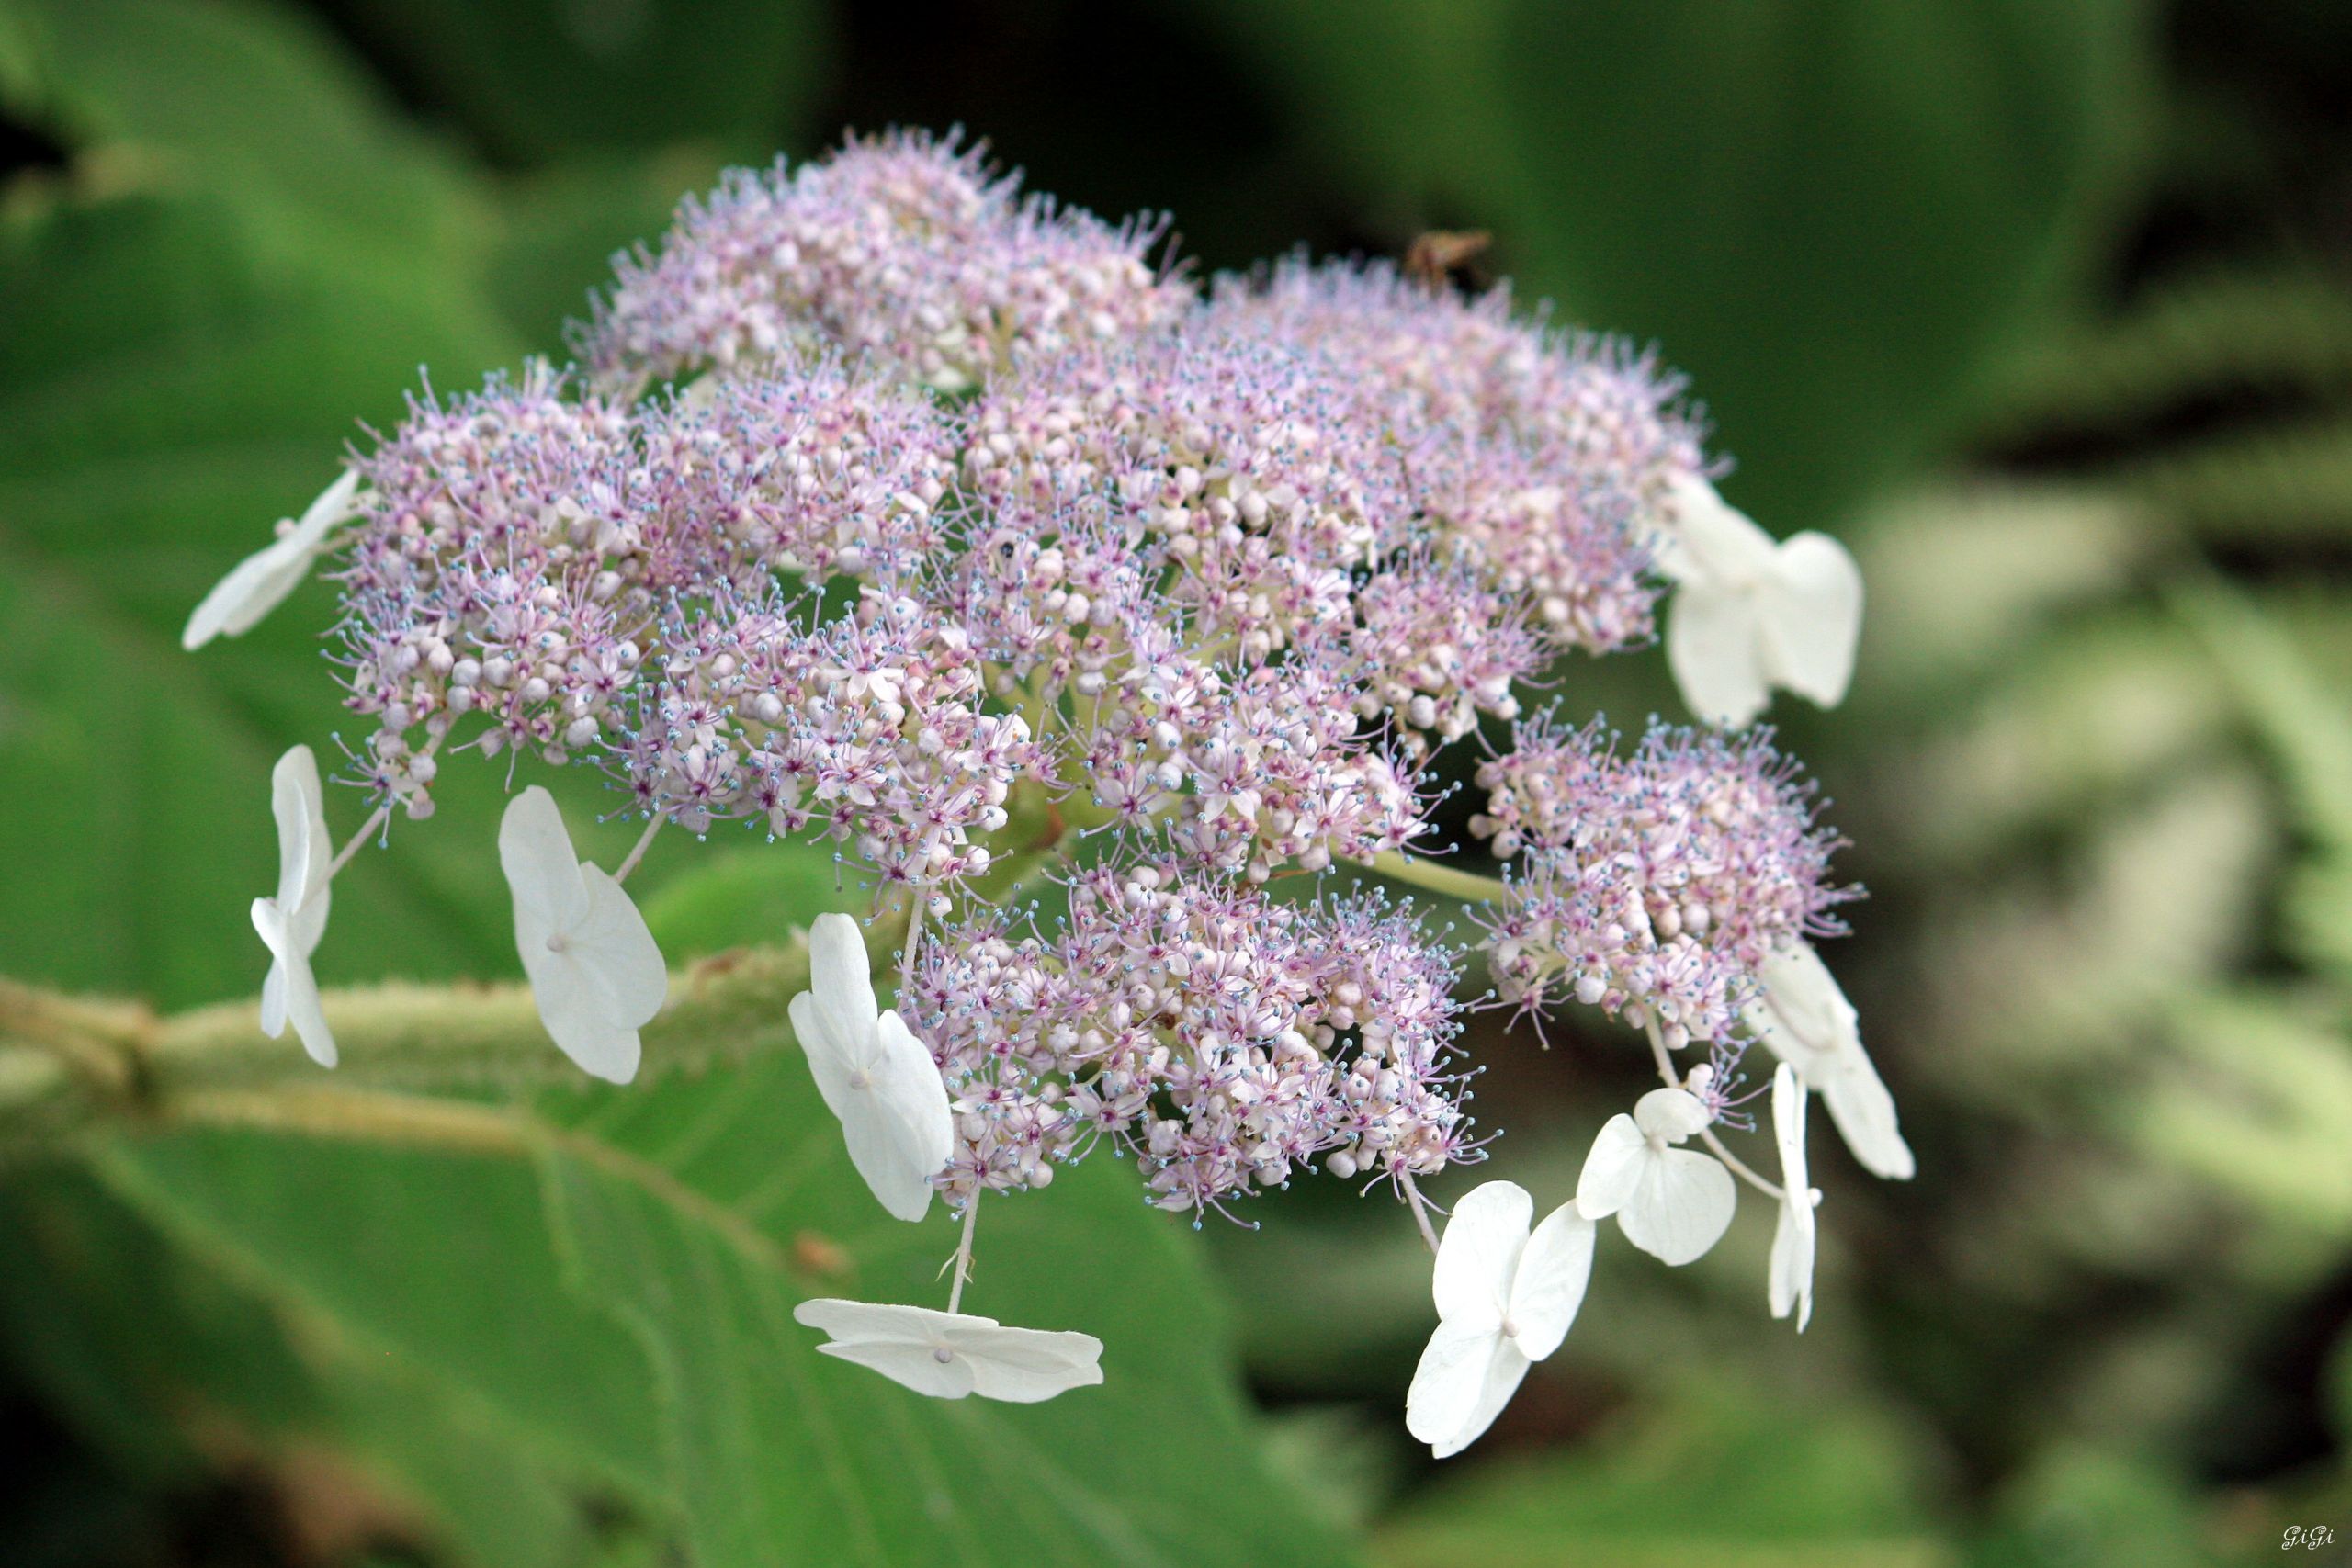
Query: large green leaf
[
  {"x": 254, "y": 104},
  {"x": 166, "y": 1365},
  {"x": 162, "y": 399},
  {"x": 699, "y": 1212},
  {"x": 1830, "y": 215},
  {"x": 1704, "y": 1473},
  {"x": 534, "y": 77}
]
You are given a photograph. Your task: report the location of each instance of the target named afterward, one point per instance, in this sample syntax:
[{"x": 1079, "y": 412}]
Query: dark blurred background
[{"x": 2046, "y": 309}]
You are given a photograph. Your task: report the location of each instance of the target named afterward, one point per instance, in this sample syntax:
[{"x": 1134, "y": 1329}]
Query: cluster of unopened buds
[{"x": 890, "y": 508}]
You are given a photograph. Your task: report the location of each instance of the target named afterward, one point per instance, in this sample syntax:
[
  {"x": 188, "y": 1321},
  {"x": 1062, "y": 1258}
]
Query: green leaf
[
  {"x": 2255, "y": 1099},
  {"x": 698, "y": 1211},
  {"x": 1832, "y": 216},
  {"x": 170, "y": 1368},
  {"x": 2218, "y": 334},
  {"x": 2075, "y": 1505},
  {"x": 1712, "y": 1473},
  {"x": 743, "y": 896},
  {"x": 559, "y": 230},
  {"x": 162, "y": 399},
  {"x": 257, "y": 106},
  {"x": 2300, "y": 719},
  {"x": 532, "y": 78},
  {"x": 436, "y": 1257}
]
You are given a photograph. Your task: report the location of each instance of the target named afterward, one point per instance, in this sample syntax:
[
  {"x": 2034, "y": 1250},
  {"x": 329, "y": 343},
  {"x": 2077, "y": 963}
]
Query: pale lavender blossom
[
  {"x": 905, "y": 247},
  {"x": 1653, "y": 884},
  {"x": 960, "y": 523},
  {"x": 1226, "y": 1041}
]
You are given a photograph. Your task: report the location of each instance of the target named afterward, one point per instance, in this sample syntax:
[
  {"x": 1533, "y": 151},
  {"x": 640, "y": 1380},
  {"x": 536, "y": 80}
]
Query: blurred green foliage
[{"x": 2045, "y": 307}]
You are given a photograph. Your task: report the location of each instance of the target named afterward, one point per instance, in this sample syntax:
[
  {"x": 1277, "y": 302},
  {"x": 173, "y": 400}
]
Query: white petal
[
  {"x": 1709, "y": 540},
  {"x": 841, "y": 989},
  {"x": 875, "y": 1076},
  {"x": 1812, "y": 618},
  {"x": 1479, "y": 1253},
  {"x": 1789, "y": 1280},
  {"x": 878, "y": 1320},
  {"x": 1794, "y": 1242},
  {"x": 333, "y": 505},
  {"x": 1448, "y": 1380},
  {"x": 255, "y": 586},
  {"x": 899, "y": 1130},
  {"x": 596, "y": 973},
  {"x": 1804, "y": 1018},
  {"x": 1613, "y": 1169},
  {"x": 296, "y": 801},
  {"x": 613, "y": 941},
  {"x": 1787, "y": 1125},
  {"x": 579, "y": 1016},
  {"x": 1714, "y": 647},
  {"x": 1022, "y": 1366},
  {"x": 273, "y": 999},
  {"x": 908, "y": 1083},
  {"x": 1504, "y": 1373},
  {"x": 299, "y": 993},
  {"x": 829, "y": 1055},
  {"x": 917, "y": 1366},
  {"x": 1554, "y": 1269},
  {"x": 1682, "y": 1206},
  {"x": 542, "y": 872},
  {"x": 1673, "y": 1114},
  {"x": 260, "y": 583},
  {"x": 949, "y": 1355}
]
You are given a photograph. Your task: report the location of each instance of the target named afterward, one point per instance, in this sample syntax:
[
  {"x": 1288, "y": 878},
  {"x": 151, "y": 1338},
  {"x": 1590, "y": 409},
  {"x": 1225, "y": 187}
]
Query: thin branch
[{"x": 1451, "y": 881}]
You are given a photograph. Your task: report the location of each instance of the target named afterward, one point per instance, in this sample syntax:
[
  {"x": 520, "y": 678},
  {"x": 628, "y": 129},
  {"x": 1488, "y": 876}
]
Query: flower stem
[
  {"x": 1420, "y": 1213},
  {"x": 964, "y": 1253},
  {"x": 366, "y": 831},
  {"x": 637, "y": 854},
  {"x": 1452, "y": 880},
  {"x": 66, "y": 1063}
]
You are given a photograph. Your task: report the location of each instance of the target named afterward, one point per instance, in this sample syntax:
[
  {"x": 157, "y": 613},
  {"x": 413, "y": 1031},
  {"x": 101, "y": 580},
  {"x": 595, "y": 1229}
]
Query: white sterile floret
[
  {"x": 1672, "y": 1203},
  {"x": 1505, "y": 1299},
  {"x": 948, "y": 1355},
  {"x": 1751, "y": 614},
  {"x": 1804, "y": 1018},
  {"x": 292, "y": 922},
  {"x": 257, "y": 584},
  {"x": 594, "y": 970},
  {"x": 875, "y": 1074},
  {"x": 1791, "y": 1285}
]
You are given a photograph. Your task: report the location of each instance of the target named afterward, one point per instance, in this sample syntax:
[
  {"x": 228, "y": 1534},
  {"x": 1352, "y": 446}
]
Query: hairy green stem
[{"x": 68, "y": 1062}]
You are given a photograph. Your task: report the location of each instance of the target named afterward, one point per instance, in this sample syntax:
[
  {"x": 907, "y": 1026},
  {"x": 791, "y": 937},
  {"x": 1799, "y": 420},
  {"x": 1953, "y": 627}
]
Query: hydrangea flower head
[{"x": 1120, "y": 643}]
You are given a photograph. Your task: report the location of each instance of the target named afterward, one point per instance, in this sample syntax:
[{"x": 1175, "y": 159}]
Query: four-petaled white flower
[
  {"x": 1751, "y": 614},
  {"x": 1505, "y": 1299},
  {"x": 594, "y": 970},
  {"x": 257, "y": 584},
  {"x": 950, "y": 1354},
  {"x": 1790, "y": 1282},
  {"x": 292, "y": 922},
  {"x": 1672, "y": 1203},
  {"x": 875, "y": 1074},
  {"x": 1804, "y": 1018}
]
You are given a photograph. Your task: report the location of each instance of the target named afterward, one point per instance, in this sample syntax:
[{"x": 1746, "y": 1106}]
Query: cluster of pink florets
[
  {"x": 902, "y": 249},
  {"x": 1652, "y": 884},
  {"x": 1225, "y": 1040},
  {"x": 517, "y": 546},
  {"x": 951, "y": 496},
  {"x": 871, "y": 730}
]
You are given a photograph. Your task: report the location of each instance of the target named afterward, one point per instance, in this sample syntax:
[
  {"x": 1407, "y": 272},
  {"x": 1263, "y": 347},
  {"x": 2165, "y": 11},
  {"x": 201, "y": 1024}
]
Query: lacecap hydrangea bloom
[{"x": 897, "y": 510}]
